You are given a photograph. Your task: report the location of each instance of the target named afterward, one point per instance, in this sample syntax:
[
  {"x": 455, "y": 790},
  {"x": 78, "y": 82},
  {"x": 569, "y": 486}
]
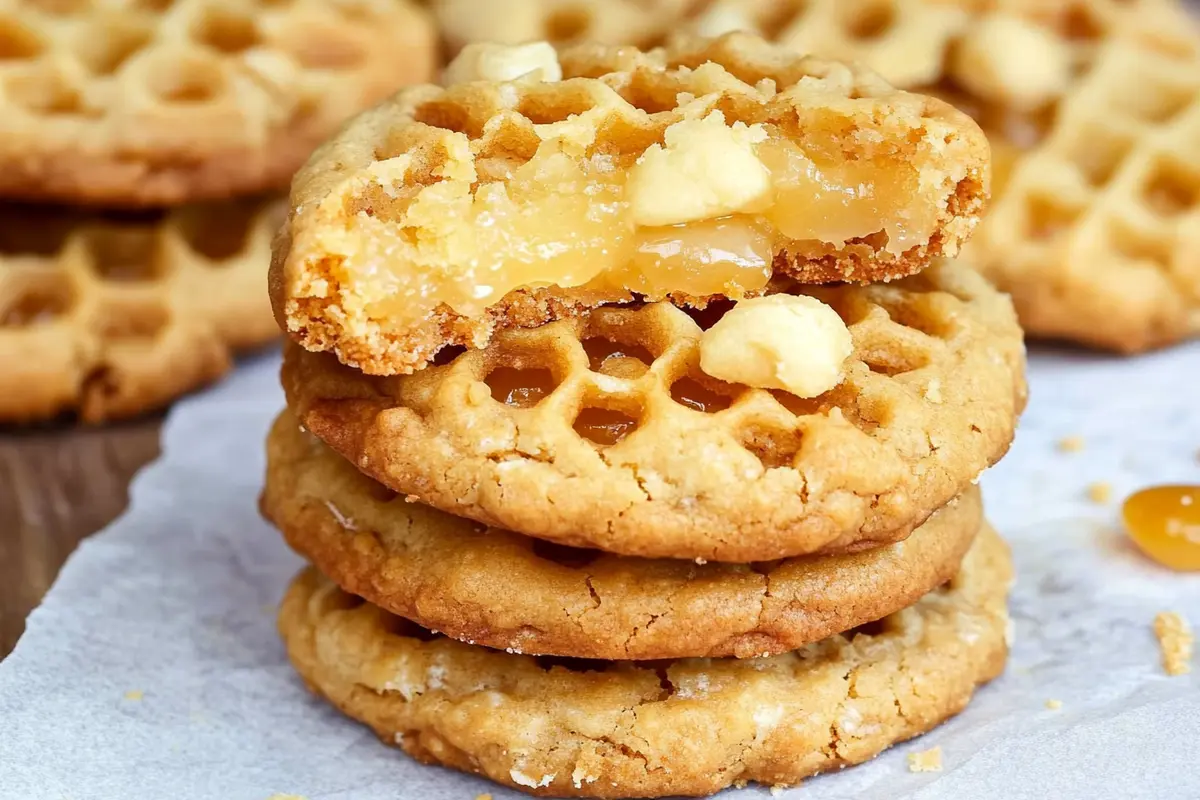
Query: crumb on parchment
[
  {"x": 1071, "y": 444},
  {"x": 134, "y": 694},
  {"x": 287, "y": 797},
  {"x": 1176, "y": 641},
  {"x": 1054, "y": 705},
  {"x": 926, "y": 760},
  {"x": 1100, "y": 492},
  {"x": 484, "y": 796}
]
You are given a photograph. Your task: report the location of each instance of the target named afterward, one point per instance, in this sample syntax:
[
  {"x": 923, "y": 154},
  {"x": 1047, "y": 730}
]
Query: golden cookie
[
  {"x": 111, "y": 315},
  {"x": 566, "y": 727},
  {"x": 446, "y": 214},
  {"x": 1097, "y": 233},
  {"x": 636, "y": 22},
  {"x": 135, "y": 104},
  {"x": 601, "y": 431},
  {"x": 499, "y": 589}
]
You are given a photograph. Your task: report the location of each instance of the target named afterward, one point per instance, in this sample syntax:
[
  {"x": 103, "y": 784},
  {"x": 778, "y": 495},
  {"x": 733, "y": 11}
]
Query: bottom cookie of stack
[{"x": 570, "y": 727}]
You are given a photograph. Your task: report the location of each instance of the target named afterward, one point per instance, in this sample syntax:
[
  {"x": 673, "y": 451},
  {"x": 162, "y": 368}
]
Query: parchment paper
[{"x": 153, "y": 669}]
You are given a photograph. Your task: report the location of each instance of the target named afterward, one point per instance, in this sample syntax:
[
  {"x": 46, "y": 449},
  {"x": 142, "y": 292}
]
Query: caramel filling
[{"x": 563, "y": 221}]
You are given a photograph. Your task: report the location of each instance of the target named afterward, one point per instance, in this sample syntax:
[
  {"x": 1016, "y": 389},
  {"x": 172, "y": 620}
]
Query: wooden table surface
[{"x": 57, "y": 486}]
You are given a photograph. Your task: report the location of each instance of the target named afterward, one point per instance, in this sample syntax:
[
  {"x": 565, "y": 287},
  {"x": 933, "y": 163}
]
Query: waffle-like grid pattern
[
  {"x": 589, "y": 432},
  {"x": 652, "y": 729},
  {"x": 110, "y": 316},
  {"x": 906, "y": 41},
  {"x": 642, "y": 23},
  {"x": 438, "y": 144},
  {"x": 910, "y": 42},
  {"x": 1097, "y": 234},
  {"x": 543, "y": 599},
  {"x": 155, "y": 102}
]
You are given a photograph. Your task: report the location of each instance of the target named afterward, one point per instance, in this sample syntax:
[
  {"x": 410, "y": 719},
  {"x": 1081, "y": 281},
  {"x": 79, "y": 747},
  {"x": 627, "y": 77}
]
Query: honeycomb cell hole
[
  {"x": 774, "y": 447},
  {"x": 219, "y": 232},
  {"x": 37, "y": 303},
  {"x": 694, "y": 395},
  {"x": 616, "y": 358},
  {"x": 125, "y": 254},
  {"x": 520, "y": 388},
  {"x": 604, "y": 426},
  {"x": 226, "y": 30}
]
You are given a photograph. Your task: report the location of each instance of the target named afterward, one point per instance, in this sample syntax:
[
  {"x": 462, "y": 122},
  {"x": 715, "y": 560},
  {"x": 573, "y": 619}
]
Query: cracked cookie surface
[
  {"x": 565, "y": 727},
  {"x": 601, "y": 431},
  {"x": 447, "y": 214},
  {"x": 503, "y": 590}
]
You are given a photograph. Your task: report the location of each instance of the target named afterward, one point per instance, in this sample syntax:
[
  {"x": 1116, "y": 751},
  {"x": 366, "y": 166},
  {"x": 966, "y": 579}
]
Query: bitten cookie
[
  {"x": 447, "y": 214},
  {"x": 564, "y": 727}
]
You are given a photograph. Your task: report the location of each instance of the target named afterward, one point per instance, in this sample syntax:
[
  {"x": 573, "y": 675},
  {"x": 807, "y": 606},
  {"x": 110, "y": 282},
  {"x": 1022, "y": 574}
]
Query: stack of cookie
[
  {"x": 139, "y": 147},
  {"x": 1092, "y": 108},
  {"x": 635, "y": 411}
]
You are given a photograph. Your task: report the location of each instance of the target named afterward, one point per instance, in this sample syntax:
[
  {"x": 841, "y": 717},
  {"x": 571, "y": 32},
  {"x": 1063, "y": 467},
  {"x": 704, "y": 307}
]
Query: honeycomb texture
[
  {"x": 601, "y": 431},
  {"x": 564, "y": 727},
  {"x": 1097, "y": 234},
  {"x": 111, "y": 315},
  {"x": 157, "y": 102},
  {"x": 365, "y": 196}
]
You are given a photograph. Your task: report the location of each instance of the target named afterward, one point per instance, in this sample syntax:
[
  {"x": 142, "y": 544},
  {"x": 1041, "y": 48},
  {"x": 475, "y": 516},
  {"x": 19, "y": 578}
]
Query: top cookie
[
  {"x": 688, "y": 173},
  {"x": 124, "y": 103}
]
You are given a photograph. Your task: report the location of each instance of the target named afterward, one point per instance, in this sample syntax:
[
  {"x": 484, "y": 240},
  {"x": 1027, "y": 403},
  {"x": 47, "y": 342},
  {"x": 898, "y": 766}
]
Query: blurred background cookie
[
  {"x": 112, "y": 314},
  {"x": 137, "y": 104},
  {"x": 143, "y": 147}
]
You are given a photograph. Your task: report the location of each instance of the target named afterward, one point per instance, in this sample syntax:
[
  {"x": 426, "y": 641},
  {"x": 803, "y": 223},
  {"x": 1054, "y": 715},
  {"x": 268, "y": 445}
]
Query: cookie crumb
[
  {"x": 1100, "y": 492},
  {"x": 134, "y": 694},
  {"x": 926, "y": 760},
  {"x": 779, "y": 788},
  {"x": 1054, "y": 705},
  {"x": 741, "y": 783},
  {"x": 1176, "y": 640},
  {"x": 287, "y": 797},
  {"x": 484, "y": 796},
  {"x": 1071, "y": 444}
]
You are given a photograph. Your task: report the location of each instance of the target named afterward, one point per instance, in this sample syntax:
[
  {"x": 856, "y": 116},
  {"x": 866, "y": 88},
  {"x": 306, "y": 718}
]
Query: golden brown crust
[
  {"x": 503, "y": 590},
  {"x": 144, "y": 108},
  {"x": 930, "y": 399},
  {"x": 629, "y": 729},
  {"x": 112, "y": 315},
  {"x": 344, "y": 189}
]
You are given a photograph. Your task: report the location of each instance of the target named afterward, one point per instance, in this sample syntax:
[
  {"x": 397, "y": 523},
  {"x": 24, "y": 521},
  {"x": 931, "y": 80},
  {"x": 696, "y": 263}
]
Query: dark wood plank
[{"x": 58, "y": 486}]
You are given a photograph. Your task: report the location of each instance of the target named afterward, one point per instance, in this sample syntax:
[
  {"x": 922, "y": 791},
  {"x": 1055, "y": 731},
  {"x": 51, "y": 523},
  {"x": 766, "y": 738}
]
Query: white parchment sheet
[{"x": 153, "y": 669}]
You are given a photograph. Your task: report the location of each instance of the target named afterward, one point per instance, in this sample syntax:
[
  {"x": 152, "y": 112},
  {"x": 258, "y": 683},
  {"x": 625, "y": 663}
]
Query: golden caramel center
[{"x": 704, "y": 213}]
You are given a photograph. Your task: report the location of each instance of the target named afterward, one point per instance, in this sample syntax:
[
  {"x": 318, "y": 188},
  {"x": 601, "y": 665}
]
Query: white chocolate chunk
[
  {"x": 706, "y": 169},
  {"x": 1008, "y": 60},
  {"x": 797, "y": 344},
  {"x": 484, "y": 61}
]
